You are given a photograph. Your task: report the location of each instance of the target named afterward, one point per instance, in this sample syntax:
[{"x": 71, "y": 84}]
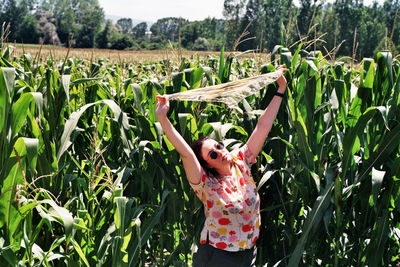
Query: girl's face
[{"x": 215, "y": 154}]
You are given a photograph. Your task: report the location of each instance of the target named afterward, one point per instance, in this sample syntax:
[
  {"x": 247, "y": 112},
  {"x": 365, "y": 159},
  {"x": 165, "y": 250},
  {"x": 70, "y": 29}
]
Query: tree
[
  {"x": 253, "y": 22},
  {"x": 90, "y": 17},
  {"x": 167, "y": 28},
  {"x": 47, "y": 28},
  {"x": 189, "y": 34},
  {"x": 103, "y": 38},
  {"x": 139, "y": 31},
  {"x": 371, "y": 31},
  {"x": 307, "y": 12},
  {"x": 277, "y": 14},
  {"x": 125, "y": 24},
  {"x": 391, "y": 9},
  {"x": 28, "y": 31},
  {"x": 122, "y": 42},
  {"x": 81, "y": 18},
  {"x": 13, "y": 12},
  {"x": 48, "y": 5},
  {"x": 349, "y": 16},
  {"x": 233, "y": 10},
  {"x": 64, "y": 12},
  {"x": 201, "y": 44},
  {"x": 214, "y": 31},
  {"x": 328, "y": 25},
  {"x": 209, "y": 29},
  {"x": 23, "y": 25}
]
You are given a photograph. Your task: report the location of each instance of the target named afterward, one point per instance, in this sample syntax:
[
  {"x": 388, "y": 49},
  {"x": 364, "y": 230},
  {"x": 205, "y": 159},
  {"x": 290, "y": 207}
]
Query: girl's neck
[{"x": 225, "y": 170}]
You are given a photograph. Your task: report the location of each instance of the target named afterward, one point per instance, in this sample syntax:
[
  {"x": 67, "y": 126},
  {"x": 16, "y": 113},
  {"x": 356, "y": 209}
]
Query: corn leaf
[
  {"x": 80, "y": 252},
  {"x": 312, "y": 221}
]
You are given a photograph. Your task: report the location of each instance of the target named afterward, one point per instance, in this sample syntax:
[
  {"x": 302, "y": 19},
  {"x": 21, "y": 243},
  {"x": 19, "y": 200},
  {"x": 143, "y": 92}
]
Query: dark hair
[{"x": 196, "y": 147}]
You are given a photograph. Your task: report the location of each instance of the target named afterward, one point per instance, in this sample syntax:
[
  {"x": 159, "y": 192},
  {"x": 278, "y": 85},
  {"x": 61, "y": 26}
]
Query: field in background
[{"x": 118, "y": 55}]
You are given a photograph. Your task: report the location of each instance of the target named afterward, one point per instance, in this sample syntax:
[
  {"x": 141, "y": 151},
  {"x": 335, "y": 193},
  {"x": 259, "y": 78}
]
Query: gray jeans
[{"x": 209, "y": 256}]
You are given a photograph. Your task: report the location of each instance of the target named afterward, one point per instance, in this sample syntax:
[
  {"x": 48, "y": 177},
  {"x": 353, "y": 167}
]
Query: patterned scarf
[{"x": 230, "y": 93}]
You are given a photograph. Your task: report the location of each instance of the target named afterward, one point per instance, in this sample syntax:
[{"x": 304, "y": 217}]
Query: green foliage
[
  {"x": 14, "y": 13},
  {"x": 89, "y": 22},
  {"x": 139, "y": 31},
  {"x": 66, "y": 20},
  {"x": 341, "y": 28},
  {"x": 125, "y": 24},
  {"x": 103, "y": 38},
  {"x": 28, "y": 31},
  {"x": 209, "y": 29},
  {"x": 122, "y": 42},
  {"x": 201, "y": 44},
  {"x": 167, "y": 28},
  {"x": 58, "y": 19},
  {"x": 88, "y": 178}
]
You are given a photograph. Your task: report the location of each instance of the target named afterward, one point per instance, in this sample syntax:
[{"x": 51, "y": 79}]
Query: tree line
[{"x": 339, "y": 28}]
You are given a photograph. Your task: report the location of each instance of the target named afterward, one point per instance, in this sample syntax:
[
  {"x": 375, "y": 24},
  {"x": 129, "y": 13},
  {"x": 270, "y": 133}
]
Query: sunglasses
[{"x": 213, "y": 154}]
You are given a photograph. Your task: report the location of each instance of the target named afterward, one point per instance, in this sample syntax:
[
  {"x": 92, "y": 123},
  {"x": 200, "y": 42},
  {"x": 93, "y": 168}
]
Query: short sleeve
[{"x": 199, "y": 188}]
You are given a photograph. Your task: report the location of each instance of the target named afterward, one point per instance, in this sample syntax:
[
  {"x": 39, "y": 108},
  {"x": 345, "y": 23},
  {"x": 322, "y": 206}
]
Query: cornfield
[{"x": 88, "y": 179}]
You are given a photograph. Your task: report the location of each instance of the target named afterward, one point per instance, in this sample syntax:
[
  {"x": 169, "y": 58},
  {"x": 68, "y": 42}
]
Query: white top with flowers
[{"x": 231, "y": 205}]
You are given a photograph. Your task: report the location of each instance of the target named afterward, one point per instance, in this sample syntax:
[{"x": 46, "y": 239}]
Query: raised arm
[
  {"x": 265, "y": 122},
  {"x": 190, "y": 163}
]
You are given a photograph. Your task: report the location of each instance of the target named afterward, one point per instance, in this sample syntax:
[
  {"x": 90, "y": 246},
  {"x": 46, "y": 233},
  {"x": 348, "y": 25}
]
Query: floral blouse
[{"x": 231, "y": 206}]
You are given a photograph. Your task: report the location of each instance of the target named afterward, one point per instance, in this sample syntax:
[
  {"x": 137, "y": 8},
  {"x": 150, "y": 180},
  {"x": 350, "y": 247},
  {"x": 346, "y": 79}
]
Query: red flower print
[
  {"x": 203, "y": 242},
  {"x": 203, "y": 178},
  {"x": 240, "y": 155},
  {"x": 228, "y": 191},
  {"x": 216, "y": 214},
  {"x": 242, "y": 181},
  {"x": 209, "y": 204},
  {"x": 232, "y": 232},
  {"x": 246, "y": 227},
  {"x": 247, "y": 216},
  {"x": 247, "y": 173},
  {"x": 224, "y": 221},
  {"x": 221, "y": 245},
  {"x": 228, "y": 205}
]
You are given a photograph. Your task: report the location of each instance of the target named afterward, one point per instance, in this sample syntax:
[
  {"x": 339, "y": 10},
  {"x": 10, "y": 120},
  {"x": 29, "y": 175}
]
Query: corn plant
[{"x": 89, "y": 179}]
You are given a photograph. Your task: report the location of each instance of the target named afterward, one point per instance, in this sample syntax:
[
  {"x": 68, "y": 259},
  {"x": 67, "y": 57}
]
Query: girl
[{"x": 223, "y": 182}]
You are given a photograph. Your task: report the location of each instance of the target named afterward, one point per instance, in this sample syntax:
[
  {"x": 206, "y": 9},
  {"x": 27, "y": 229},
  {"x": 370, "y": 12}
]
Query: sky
[{"x": 152, "y": 10}]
